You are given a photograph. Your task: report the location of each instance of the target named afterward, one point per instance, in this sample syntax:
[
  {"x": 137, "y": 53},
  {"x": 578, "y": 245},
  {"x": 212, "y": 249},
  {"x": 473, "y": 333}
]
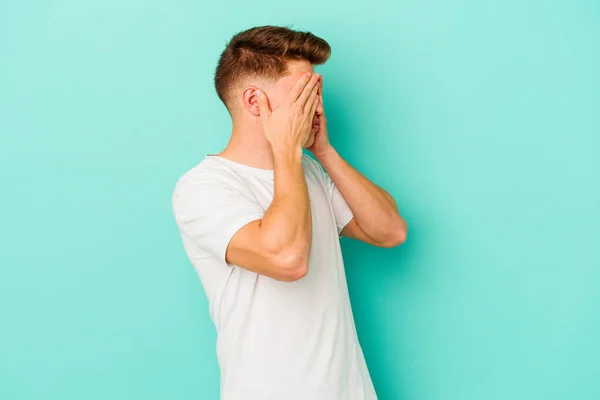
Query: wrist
[
  {"x": 287, "y": 154},
  {"x": 325, "y": 153}
]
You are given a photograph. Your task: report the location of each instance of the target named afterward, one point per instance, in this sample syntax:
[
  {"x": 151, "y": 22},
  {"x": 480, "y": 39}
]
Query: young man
[{"x": 261, "y": 223}]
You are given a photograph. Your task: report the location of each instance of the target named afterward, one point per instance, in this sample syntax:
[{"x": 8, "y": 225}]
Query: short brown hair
[{"x": 263, "y": 51}]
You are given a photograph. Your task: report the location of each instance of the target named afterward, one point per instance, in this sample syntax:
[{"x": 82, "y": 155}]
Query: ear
[{"x": 249, "y": 100}]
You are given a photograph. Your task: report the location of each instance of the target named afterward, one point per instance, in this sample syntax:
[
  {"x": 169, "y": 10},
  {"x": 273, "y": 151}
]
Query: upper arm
[
  {"x": 352, "y": 230},
  {"x": 224, "y": 222}
]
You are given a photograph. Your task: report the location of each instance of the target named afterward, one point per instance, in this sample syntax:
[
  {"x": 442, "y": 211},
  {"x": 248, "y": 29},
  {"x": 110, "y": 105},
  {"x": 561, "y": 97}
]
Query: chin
[{"x": 310, "y": 140}]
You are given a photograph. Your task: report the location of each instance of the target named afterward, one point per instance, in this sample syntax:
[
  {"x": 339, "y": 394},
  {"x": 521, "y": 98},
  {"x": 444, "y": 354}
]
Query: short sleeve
[
  {"x": 343, "y": 213},
  {"x": 210, "y": 211}
]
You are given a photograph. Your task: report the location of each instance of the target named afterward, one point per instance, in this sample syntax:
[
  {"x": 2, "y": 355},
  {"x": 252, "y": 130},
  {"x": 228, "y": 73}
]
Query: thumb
[{"x": 263, "y": 104}]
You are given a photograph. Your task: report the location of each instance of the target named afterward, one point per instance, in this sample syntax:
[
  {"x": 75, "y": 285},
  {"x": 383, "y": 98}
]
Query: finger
[
  {"x": 320, "y": 84},
  {"x": 312, "y": 99},
  {"x": 308, "y": 90},
  {"x": 313, "y": 110},
  {"x": 312, "y": 103},
  {"x": 321, "y": 106},
  {"x": 296, "y": 90},
  {"x": 321, "y": 88},
  {"x": 263, "y": 104}
]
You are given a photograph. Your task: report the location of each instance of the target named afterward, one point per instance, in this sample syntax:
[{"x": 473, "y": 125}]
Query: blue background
[{"x": 482, "y": 118}]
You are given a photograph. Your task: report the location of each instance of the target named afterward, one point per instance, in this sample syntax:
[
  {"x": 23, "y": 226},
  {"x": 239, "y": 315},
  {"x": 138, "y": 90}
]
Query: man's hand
[
  {"x": 321, "y": 143},
  {"x": 288, "y": 126}
]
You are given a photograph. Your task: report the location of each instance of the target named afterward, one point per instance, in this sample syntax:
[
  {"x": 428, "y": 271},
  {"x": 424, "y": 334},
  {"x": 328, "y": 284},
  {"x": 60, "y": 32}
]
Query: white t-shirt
[{"x": 276, "y": 340}]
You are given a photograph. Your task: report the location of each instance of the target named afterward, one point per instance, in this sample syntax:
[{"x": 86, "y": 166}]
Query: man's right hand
[{"x": 288, "y": 126}]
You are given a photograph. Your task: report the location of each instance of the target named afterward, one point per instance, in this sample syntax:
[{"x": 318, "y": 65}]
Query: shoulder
[
  {"x": 206, "y": 180},
  {"x": 311, "y": 165}
]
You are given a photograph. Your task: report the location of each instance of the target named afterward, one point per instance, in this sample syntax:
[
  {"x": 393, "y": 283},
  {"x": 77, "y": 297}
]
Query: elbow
[
  {"x": 292, "y": 275},
  {"x": 400, "y": 237},
  {"x": 397, "y": 235},
  {"x": 291, "y": 267}
]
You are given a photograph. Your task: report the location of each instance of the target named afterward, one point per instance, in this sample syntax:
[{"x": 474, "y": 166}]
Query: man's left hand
[{"x": 321, "y": 144}]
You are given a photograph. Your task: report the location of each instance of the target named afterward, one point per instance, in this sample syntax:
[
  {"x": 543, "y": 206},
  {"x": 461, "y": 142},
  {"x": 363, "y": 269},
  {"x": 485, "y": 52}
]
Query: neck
[{"x": 249, "y": 146}]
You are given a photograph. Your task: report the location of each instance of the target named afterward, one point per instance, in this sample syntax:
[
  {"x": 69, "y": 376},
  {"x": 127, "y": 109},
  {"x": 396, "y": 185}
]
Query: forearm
[
  {"x": 374, "y": 209},
  {"x": 287, "y": 224}
]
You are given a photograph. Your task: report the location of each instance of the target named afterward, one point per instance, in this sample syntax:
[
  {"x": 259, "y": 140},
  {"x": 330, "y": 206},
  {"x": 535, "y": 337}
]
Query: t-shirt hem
[{"x": 344, "y": 220}]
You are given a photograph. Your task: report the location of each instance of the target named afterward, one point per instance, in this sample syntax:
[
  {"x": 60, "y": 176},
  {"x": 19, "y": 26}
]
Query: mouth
[{"x": 315, "y": 123}]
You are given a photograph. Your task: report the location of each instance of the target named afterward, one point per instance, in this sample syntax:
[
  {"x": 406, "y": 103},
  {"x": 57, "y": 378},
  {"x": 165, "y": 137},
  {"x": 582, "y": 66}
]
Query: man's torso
[{"x": 284, "y": 340}]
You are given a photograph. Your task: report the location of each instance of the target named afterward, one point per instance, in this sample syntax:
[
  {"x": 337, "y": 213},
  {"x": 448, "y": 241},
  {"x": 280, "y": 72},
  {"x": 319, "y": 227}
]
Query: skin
[{"x": 272, "y": 122}]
